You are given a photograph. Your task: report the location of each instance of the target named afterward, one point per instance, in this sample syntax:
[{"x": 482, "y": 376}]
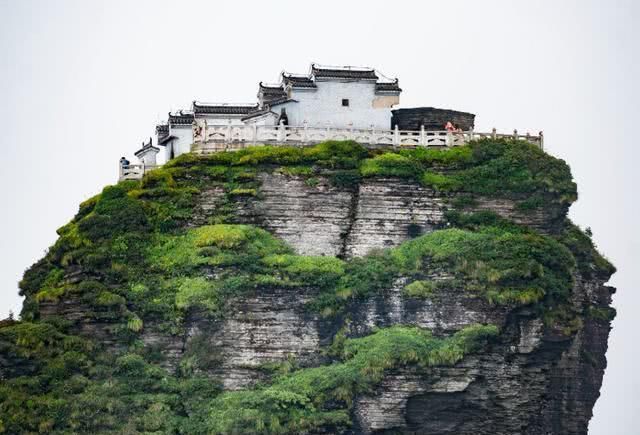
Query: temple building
[
  {"x": 348, "y": 97},
  {"x": 326, "y": 104}
]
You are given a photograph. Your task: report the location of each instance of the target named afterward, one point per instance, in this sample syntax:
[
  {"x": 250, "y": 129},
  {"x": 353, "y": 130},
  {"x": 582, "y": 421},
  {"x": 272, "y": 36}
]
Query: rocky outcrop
[
  {"x": 533, "y": 380},
  {"x": 377, "y": 213}
]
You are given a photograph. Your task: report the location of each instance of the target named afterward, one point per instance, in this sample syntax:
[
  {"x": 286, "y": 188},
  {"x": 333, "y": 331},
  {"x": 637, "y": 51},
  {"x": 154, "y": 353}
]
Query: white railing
[
  {"x": 213, "y": 138},
  {"x": 133, "y": 172}
]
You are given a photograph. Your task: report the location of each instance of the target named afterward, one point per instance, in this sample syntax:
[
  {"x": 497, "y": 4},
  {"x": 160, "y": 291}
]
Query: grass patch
[
  {"x": 389, "y": 165},
  {"x": 419, "y": 289}
]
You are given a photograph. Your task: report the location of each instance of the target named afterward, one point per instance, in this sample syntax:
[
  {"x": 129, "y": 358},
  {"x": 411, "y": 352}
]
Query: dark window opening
[{"x": 345, "y": 102}]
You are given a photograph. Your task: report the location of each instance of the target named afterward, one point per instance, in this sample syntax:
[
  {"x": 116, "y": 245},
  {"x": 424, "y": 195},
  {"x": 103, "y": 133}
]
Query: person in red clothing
[{"x": 449, "y": 126}]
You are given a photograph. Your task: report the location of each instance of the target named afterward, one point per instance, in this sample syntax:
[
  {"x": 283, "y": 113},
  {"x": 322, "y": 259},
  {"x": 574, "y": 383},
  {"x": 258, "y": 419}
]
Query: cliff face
[{"x": 404, "y": 294}]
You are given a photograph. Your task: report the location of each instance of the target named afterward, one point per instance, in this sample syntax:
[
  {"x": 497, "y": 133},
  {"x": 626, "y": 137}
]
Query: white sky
[{"x": 84, "y": 82}]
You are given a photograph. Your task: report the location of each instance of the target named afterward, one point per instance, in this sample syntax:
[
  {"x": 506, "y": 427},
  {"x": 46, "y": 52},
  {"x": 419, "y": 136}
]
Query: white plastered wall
[
  {"x": 323, "y": 107},
  {"x": 182, "y": 143}
]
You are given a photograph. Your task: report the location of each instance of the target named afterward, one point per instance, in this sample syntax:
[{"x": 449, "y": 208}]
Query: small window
[{"x": 345, "y": 102}]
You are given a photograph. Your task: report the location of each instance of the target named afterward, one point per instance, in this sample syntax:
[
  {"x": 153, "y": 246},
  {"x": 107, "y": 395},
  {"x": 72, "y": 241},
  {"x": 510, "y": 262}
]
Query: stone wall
[{"x": 431, "y": 118}]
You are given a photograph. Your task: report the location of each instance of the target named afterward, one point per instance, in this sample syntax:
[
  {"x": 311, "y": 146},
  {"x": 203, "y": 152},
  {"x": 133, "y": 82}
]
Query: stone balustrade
[
  {"x": 214, "y": 138},
  {"x": 133, "y": 172}
]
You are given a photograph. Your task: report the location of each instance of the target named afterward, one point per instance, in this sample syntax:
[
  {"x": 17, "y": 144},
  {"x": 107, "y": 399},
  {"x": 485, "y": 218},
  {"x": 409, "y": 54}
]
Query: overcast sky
[{"x": 84, "y": 82}]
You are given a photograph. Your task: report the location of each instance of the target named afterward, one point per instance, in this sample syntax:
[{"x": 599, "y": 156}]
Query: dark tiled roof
[
  {"x": 298, "y": 81},
  {"x": 164, "y": 139},
  {"x": 257, "y": 113},
  {"x": 270, "y": 93},
  {"x": 145, "y": 147},
  {"x": 281, "y": 101},
  {"x": 388, "y": 86},
  {"x": 268, "y": 89},
  {"x": 162, "y": 129},
  {"x": 222, "y": 109},
  {"x": 180, "y": 118},
  {"x": 343, "y": 73}
]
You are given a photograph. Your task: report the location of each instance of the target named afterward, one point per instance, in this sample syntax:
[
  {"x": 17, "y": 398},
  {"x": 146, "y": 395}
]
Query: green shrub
[
  {"x": 456, "y": 157},
  {"x": 440, "y": 181},
  {"x": 322, "y": 272},
  {"x": 158, "y": 178},
  {"x": 243, "y": 192},
  {"x": 114, "y": 213},
  {"x": 419, "y": 289},
  {"x": 223, "y": 236},
  {"x": 312, "y": 181},
  {"x": 134, "y": 323},
  {"x": 390, "y": 165},
  {"x": 108, "y": 299},
  {"x": 495, "y": 260},
  {"x": 197, "y": 292},
  {"x": 590, "y": 262},
  {"x": 296, "y": 170}
]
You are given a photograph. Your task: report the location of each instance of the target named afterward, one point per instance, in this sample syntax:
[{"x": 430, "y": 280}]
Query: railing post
[
  {"x": 423, "y": 137},
  {"x": 493, "y": 133},
  {"x": 255, "y": 134},
  {"x": 541, "y": 140},
  {"x": 351, "y": 130},
  {"x": 515, "y": 134},
  {"x": 372, "y": 138},
  {"x": 449, "y": 140},
  {"x": 470, "y": 137},
  {"x": 227, "y": 138},
  {"x": 282, "y": 132},
  {"x": 328, "y": 132},
  {"x": 396, "y": 136}
]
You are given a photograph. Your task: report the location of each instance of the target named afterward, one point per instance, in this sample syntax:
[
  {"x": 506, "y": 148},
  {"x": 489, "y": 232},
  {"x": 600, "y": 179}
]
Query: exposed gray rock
[
  {"x": 271, "y": 325},
  {"x": 377, "y": 213}
]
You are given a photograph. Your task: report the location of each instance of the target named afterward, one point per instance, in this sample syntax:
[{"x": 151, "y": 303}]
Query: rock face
[
  {"x": 534, "y": 380},
  {"x": 377, "y": 213},
  {"x": 431, "y": 118}
]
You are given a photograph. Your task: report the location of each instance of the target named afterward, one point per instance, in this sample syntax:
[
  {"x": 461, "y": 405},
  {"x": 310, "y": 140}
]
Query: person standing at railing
[
  {"x": 449, "y": 127},
  {"x": 124, "y": 165}
]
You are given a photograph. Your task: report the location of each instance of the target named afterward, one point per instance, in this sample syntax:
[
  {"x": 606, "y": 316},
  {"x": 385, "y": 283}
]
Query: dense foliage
[{"x": 132, "y": 257}]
